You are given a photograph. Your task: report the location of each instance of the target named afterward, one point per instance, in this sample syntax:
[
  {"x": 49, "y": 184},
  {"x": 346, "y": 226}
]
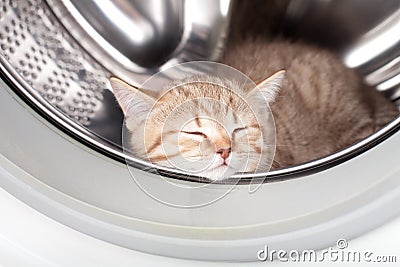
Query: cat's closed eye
[{"x": 196, "y": 133}]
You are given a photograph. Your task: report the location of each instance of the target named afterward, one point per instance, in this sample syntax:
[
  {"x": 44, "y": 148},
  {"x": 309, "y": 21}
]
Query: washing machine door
[{"x": 58, "y": 157}]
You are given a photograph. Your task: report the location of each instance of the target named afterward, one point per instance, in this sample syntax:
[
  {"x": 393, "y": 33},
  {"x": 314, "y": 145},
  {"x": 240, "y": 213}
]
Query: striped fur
[
  {"x": 194, "y": 120},
  {"x": 322, "y": 107},
  {"x": 319, "y": 107}
]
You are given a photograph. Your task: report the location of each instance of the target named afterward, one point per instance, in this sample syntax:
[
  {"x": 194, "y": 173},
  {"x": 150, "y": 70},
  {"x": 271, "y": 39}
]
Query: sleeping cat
[
  {"x": 203, "y": 125},
  {"x": 319, "y": 107}
]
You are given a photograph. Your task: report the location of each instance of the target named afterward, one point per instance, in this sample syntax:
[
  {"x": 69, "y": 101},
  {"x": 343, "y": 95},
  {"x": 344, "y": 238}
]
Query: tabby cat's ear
[
  {"x": 134, "y": 103},
  {"x": 269, "y": 88}
]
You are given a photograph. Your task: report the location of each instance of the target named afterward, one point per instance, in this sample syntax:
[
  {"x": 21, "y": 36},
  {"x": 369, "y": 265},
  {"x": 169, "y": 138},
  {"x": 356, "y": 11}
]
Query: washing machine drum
[{"x": 60, "y": 135}]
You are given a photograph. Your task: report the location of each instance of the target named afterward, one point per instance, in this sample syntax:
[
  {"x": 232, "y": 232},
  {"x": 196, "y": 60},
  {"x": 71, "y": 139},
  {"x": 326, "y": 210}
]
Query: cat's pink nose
[{"x": 224, "y": 152}]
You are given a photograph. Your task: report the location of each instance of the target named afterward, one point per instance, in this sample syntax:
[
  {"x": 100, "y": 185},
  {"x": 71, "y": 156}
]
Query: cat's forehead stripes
[{"x": 198, "y": 122}]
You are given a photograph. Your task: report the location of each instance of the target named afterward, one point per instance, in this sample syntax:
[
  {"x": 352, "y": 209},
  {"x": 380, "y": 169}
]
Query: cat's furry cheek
[{"x": 133, "y": 124}]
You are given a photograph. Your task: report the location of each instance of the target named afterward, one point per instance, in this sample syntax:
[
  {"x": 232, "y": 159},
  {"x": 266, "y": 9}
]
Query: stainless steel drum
[
  {"x": 62, "y": 54},
  {"x": 61, "y": 126},
  {"x": 367, "y": 40},
  {"x": 59, "y": 53}
]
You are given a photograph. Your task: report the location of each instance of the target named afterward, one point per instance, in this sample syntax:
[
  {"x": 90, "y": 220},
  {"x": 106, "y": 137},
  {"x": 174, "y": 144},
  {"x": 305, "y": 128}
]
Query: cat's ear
[
  {"x": 269, "y": 88},
  {"x": 133, "y": 102}
]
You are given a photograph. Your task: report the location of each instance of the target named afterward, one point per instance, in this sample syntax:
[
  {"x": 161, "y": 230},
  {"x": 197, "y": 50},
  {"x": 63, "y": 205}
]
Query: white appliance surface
[{"x": 31, "y": 239}]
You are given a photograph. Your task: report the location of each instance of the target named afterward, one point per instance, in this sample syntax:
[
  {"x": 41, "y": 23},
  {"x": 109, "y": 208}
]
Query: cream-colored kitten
[
  {"x": 320, "y": 108},
  {"x": 205, "y": 126}
]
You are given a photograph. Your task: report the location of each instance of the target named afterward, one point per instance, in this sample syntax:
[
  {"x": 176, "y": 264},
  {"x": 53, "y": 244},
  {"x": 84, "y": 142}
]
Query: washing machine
[{"x": 70, "y": 196}]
